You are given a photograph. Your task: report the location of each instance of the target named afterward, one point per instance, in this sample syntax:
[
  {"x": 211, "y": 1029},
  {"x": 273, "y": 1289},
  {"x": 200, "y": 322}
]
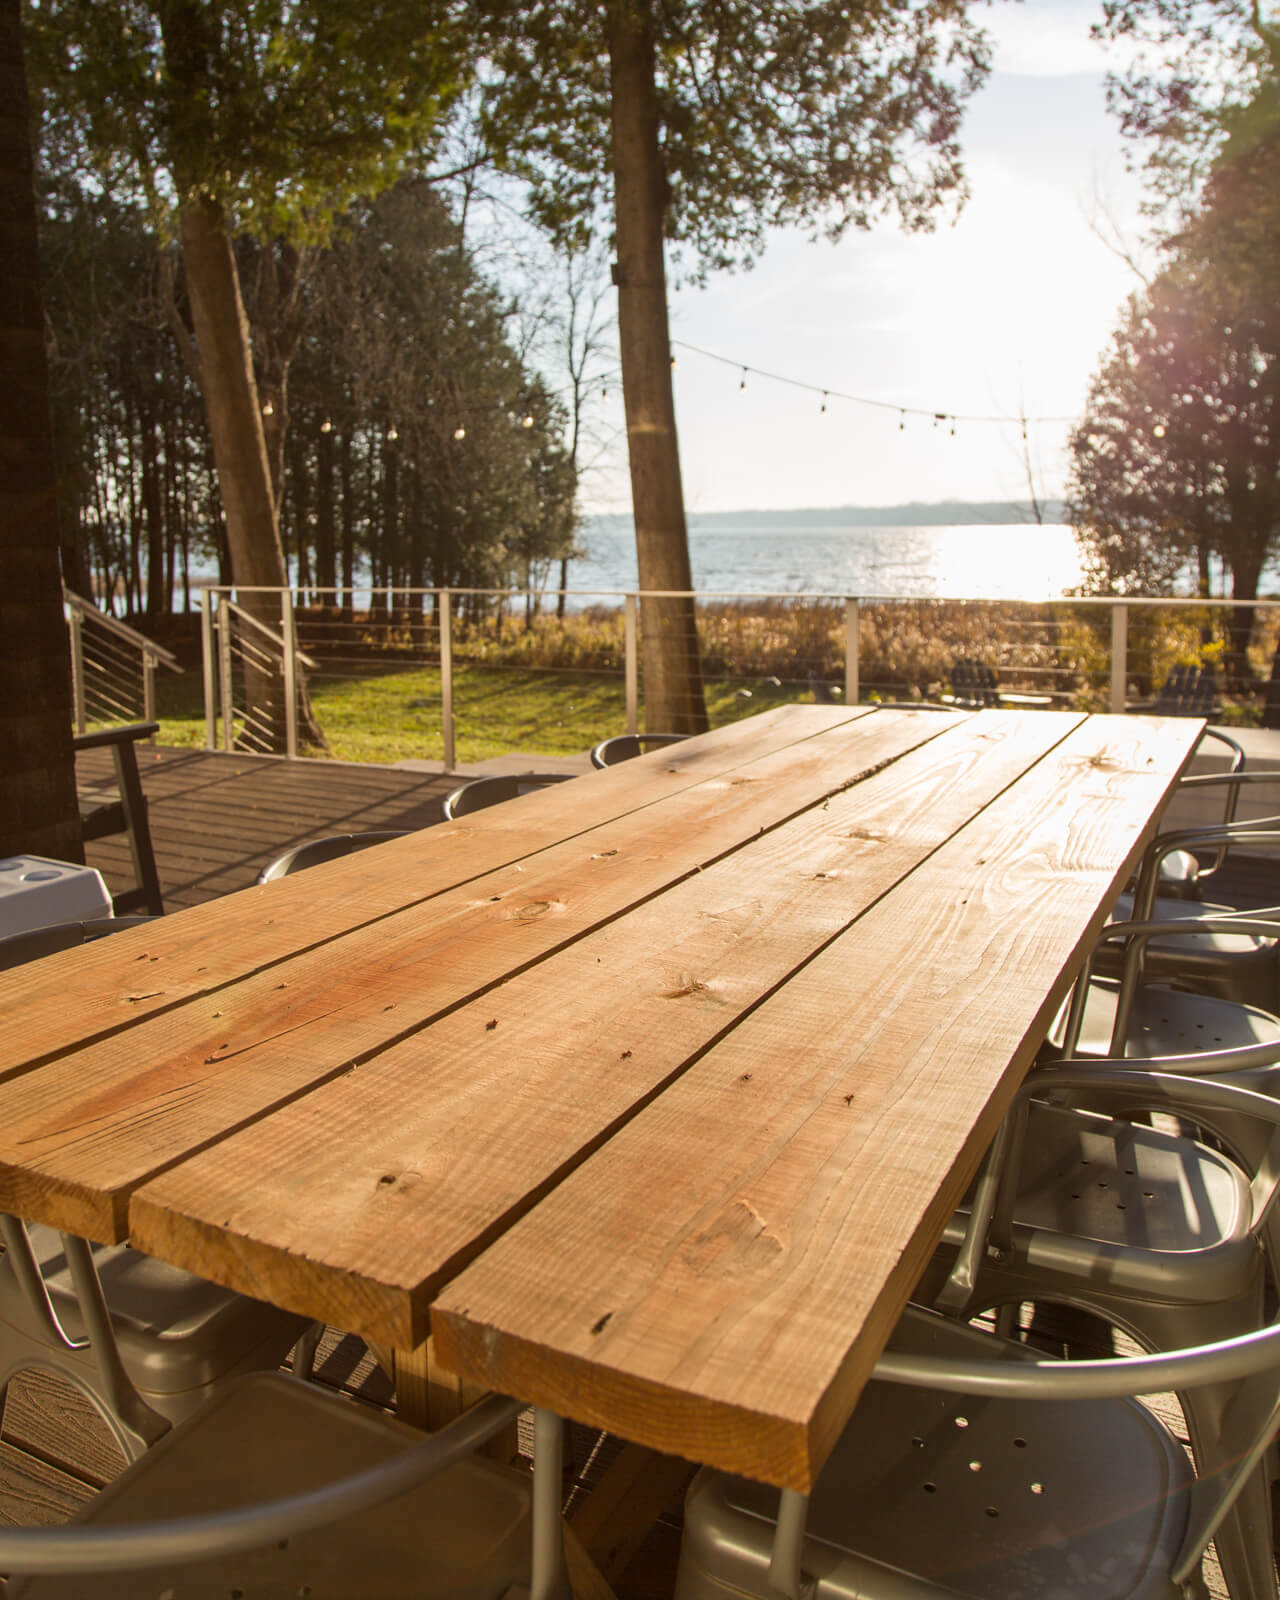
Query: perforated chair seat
[
  {"x": 464, "y": 1533},
  {"x": 1233, "y": 966},
  {"x": 1137, "y": 1213},
  {"x": 178, "y": 1334},
  {"x": 1166, "y": 1022},
  {"x": 935, "y": 1494}
]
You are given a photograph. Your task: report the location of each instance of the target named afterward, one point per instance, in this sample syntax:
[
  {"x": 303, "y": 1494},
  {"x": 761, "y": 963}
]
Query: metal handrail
[{"x": 104, "y": 619}]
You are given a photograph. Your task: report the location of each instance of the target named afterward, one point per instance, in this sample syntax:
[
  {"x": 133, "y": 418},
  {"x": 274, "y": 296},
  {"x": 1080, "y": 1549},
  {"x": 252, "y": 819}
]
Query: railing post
[
  {"x": 224, "y": 676},
  {"x": 207, "y": 668},
  {"x": 289, "y": 663},
  {"x": 1119, "y": 657},
  {"x": 631, "y": 664},
  {"x": 446, "y": 678},
  {"x": 77, "y": 670},
  {"x": 851, "y": 652},
  {"x": 149, "y": 688}
]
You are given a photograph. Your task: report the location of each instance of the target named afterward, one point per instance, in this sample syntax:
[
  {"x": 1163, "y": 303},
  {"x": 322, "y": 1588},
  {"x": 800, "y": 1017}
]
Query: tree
[
  {"x": 38, "y": 812},
  {"x": 1177, "y": 460},
  {"x": 266, "y": 118},
  {"x": 723, "y": 120}
]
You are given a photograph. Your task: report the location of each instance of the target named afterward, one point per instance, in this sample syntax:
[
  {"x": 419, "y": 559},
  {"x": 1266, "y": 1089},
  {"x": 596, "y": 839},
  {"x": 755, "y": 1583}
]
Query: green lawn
[{"x": 396, "y": 716}]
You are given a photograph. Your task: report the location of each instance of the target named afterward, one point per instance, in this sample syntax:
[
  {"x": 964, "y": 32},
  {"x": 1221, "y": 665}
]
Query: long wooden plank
[
  {"x": 217, "y": 1062},
  {"x": 363, "y": 1196},
  {"x": 150, "y": 970},
  {"x": 718, "y": 1280}
]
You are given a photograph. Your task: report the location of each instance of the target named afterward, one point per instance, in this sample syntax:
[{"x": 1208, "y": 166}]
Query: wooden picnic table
[{"x": 647, "y": 1094}]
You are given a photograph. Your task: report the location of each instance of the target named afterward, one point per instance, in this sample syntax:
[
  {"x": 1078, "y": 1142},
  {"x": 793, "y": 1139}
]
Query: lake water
[{"x": 998, "y": 562}]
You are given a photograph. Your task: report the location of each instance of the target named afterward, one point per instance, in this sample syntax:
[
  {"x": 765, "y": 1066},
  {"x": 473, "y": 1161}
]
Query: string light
[
  {"x": 822, "y": 409},
  {"x": 268, "y": 410},
  {"x": 526, "y": 422},
  {"x": 393, "y": 432},
  {"x": 326, "y": 426},
  {"x": 459, "y": 432},
  {"x": 857, "y": 399}
]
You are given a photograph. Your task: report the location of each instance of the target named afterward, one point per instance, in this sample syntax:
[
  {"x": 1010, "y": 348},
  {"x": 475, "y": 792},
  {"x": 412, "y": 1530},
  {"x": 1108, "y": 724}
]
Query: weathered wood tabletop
[{"x": 648, "y": 1093}]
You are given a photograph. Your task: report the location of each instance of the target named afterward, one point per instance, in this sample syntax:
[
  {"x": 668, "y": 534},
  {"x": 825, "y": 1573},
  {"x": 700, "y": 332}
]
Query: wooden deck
[{"x": 217, "y": 819}]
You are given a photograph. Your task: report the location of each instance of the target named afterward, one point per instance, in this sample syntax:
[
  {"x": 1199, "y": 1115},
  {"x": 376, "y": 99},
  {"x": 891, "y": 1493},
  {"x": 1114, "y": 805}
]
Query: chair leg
[
  {"x": 138, "y": 830},
  {"x": 304, "y": 1352}
]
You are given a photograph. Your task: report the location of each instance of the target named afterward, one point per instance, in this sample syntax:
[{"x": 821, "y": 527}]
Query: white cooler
[{"x": 36, "y": 892}]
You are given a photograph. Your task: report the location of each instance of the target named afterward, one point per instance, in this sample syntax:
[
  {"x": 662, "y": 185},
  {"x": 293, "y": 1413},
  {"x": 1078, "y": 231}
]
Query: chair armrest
[{"x": 124, "y": 734}]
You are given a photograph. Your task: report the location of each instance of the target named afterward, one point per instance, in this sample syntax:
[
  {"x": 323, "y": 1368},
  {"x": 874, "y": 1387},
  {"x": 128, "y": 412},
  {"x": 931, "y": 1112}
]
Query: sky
[{"x": 1005, "y": 313}]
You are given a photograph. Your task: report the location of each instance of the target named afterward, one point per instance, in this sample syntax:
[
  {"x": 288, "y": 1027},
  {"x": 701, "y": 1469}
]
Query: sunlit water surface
[{"x": 999, "y": 562}]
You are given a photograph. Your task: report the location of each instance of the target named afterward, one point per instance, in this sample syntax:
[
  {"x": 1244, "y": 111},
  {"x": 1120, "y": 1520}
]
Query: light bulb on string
[
  {"x": 459, "y": 432},
  {"x": 526, "y": 421},
  {"x": 393, "y": 433},
  {"x": 326, "y": 426},
  {"x": 268, "y": 410},
  {"x": 673, "y": 361},
  {"x": 822, "y": 409},
  {"x": 902, "y": 422},
  {"x": 743, "y": 384}
]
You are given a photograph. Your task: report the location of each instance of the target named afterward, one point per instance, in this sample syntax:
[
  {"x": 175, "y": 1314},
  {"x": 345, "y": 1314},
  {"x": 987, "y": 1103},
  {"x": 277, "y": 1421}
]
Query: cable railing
[
  {"x": 454, "y": 676},
  {"x": 113, "y": 666}
]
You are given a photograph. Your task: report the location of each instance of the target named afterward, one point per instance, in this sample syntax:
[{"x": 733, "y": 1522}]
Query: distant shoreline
[{"x": 916, "y": 514}]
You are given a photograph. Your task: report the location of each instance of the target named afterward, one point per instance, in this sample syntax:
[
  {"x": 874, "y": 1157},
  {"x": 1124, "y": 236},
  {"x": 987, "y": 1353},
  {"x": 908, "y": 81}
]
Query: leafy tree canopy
[
  {"x": 1178, "y": 457},
  {"x": 280, "y": 111},
  {"x": 1202, "y": 87},
  {"x": 815, "y": 111}
]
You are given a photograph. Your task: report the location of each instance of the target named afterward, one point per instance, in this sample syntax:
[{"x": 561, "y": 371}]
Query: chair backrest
[
  {"x": 973, "y": 682},
  {"x": 330, "y": 848},
  {"x": 99, "y": 1544},
  {"x": 626, "y": 746},
  {"x": 31, "y": 945},
  {"x": 482, "y": 792},
  {"x": 1187, "y": 692}
]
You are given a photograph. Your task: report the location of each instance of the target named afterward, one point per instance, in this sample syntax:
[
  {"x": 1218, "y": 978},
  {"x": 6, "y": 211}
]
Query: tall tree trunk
[
  {"x": 239, "y": 448},
  {"x": 225, "y": 362},
  {"x": 673, "y": 698},
  {"x": 38, "y": 811}
]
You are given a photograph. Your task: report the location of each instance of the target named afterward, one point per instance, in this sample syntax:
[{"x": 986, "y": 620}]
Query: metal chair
[
  {"x": 35, "y": 943},
  {"x": 330, "y": 848},
  {"x": 482, "y": 792},
  {"x": 156, "y": 1342},
  {"x": 275, "y": 1488},
  {"x": 626, "y": 746},
  {"x": 972, "y": 1468},
  {"x": 1153, "y": 1232},
  {"x": 1175, "y": 868}
]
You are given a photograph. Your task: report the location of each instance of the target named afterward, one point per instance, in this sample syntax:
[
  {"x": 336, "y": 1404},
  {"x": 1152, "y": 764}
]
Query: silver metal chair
[
  {"x": 972, "y": 1468},
  {"x": 330, "y": 848},
  {"x": 1179, "y": 871},
  {"x": 155, "y": 1342},
  {"x": 626, "y": 746},
  {"x": 1153, "y": 1232},
  {"x": 274, "y": 1488},
  {"x": 492, "y": 791}
]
